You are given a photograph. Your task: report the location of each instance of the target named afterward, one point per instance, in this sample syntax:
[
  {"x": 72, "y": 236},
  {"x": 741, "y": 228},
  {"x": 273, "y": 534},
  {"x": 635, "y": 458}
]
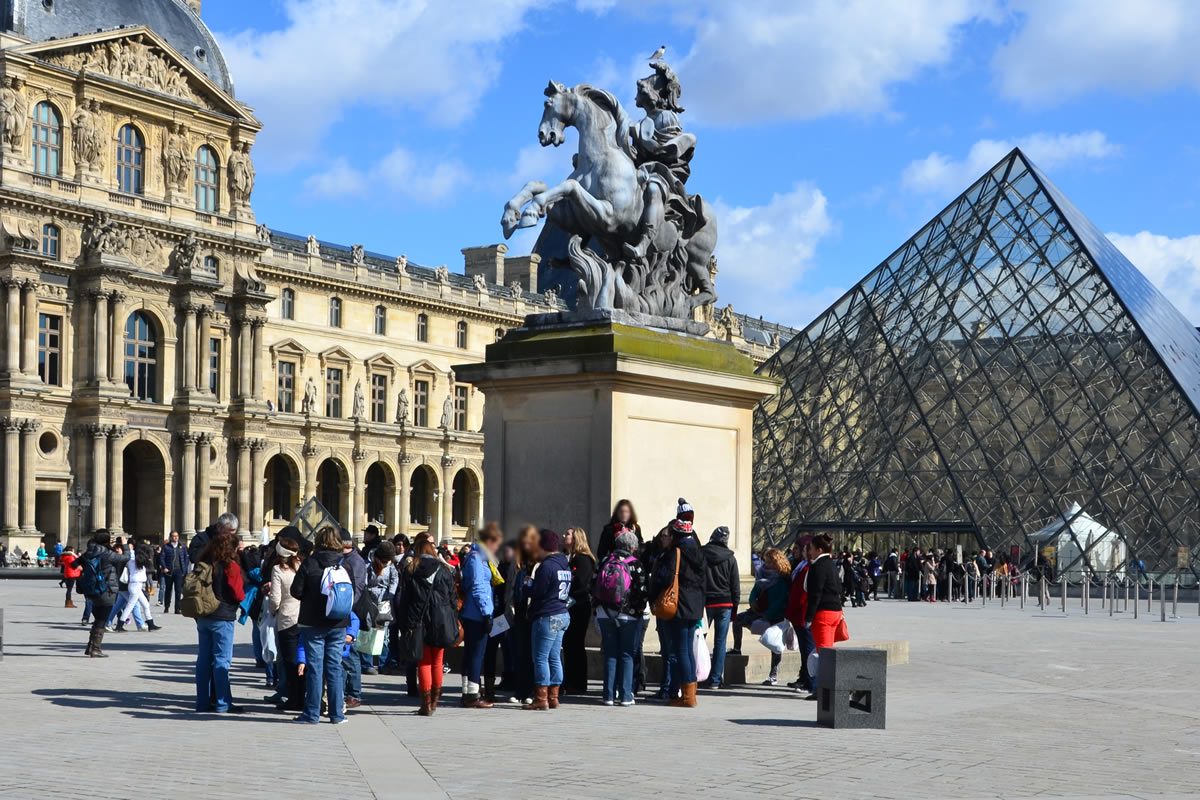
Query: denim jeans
[
  {"x": 718, "y": 619},
  {"x": 352, "y": 668},
  {"x": 619, "y": 642},
  {"x": 475, "y": 640},
  {"x": 669, "y": 686},
  {"x": 214, "y": 655},
  {"x": 547, "y": 649},
  {"x": 122, "y": 601},
  {"x": 323, "y": 667},
  {"x": 680, "y": 633}
]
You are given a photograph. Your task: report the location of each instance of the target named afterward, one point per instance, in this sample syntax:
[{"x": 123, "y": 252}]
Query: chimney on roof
[
  {"x": 195, "y": 6},
  {"x": 487, "y": 261}
]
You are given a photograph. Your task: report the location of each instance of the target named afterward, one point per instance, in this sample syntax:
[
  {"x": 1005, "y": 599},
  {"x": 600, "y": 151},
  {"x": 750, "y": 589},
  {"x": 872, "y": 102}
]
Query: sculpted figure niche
[
  {"x": 177, "y": 158},
  {"x": 14, "y": 111},
  {"x": 87, "y": 135},
  {"x": 241, "y": 173}
]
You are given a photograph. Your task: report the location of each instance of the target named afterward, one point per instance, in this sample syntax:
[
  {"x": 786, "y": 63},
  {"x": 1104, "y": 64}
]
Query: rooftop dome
[{"x": 173, "y": 20}]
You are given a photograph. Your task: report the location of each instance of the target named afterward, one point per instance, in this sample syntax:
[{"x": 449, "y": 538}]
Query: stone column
[
  {"x": 310, "y": 472},
  {"x": 100, "y": 343},
  {"x": 187, "y": 484},
  {"x": 245, "y": 337},
  {"x": 30, "y": 335},
  {"x": 358, "y": 512},
  {"x": 243, "y": 481},
  {"x": 29, "y": 429},
  {"x": 117, "y": 343},
  {"x": 203, "y": 480},
  {"x": 256, "y": 377},
  {"x": 257, "y": 479},
  {"x": 116, "y": 489},
  {"x": 203, "y": 314},
  {"x": 189, "y": 347},
  {"x": 13, "y": 343},
  {"x": 402, "y": 521},
  {"x": 446, "y": 498},
  {"x": 12, "y": 475},
  {"x": 99, "y": 473}
]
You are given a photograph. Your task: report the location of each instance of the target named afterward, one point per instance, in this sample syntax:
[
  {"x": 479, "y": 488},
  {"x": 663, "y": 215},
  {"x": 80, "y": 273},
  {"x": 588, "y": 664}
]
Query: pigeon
[{"x": 658, "y": 54}]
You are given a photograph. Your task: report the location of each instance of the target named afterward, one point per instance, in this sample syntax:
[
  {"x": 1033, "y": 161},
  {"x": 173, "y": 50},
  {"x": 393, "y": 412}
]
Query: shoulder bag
[{"x": 666, "y": 606}]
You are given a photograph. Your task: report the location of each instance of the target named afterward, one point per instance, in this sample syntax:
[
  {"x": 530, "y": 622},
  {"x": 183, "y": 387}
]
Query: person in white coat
[{"x": 138, "y": 573}]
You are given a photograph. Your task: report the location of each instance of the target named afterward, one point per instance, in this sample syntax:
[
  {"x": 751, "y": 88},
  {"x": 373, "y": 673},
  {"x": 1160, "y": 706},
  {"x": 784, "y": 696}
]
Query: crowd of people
[{"x": 323, "y": 613}]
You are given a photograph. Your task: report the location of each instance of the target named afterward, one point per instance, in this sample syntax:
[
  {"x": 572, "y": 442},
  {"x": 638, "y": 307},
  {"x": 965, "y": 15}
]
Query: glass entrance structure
[{"x": 1007, "y": 363}]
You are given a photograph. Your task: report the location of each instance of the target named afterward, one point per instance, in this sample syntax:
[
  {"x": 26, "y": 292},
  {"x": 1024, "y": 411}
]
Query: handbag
[
  {"x": 841, "y": 633},
  {"x": 666, "y": 606},
  {"x": 371, "y": 642},
  {"x": 385, "y": 611}
]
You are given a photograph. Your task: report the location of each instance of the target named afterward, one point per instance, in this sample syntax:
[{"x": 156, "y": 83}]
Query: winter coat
[
  {"x": 775, "y": 587},
  {"x": 428, "y": 604},
  {"x": 70, "y": 568},
  {"x": 307, "y": 589},
  {"x": 797, "y": 606},
  {"x": 722, "y": 581},
  {"x": 503, "y": 594},
  {"x": 692, "y": 580},
  {"x": 583, "y": 575},
  {"x": 823, "y": 587},
  {"x": 608, "y": 540},
  {"x": 111, "y": 566},
  {"x": 478, "y": 603},
  {"x": 285, "y": 607},
  {"x": 167, "y": 557},
  {"x": 635, "y": 602},
  {"x": 550, "y": 587},
  {"x": 383, "y": 586},
  {"x": 357, "y": 568}
]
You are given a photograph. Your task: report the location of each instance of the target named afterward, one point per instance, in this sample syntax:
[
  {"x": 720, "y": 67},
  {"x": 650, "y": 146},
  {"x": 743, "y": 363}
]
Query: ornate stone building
[{"x": 169, "y": 357}]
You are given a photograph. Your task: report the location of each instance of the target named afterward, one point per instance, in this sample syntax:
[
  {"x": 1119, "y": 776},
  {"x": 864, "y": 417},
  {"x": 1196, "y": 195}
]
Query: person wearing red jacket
[
  {"x": 797, "y": 611},
  {"x": 70, "y": 572}
]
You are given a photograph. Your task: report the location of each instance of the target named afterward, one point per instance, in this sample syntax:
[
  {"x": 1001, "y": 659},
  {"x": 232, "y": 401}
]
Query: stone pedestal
[{"x": 579, "y": 416}]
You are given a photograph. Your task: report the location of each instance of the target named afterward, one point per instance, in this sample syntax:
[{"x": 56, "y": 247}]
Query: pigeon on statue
[{"x": 658, "y": 54}]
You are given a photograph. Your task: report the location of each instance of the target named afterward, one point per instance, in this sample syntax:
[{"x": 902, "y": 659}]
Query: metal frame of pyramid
[
  {"x": 1005, "y": 362},
  {"x": 313, "y": 516}
]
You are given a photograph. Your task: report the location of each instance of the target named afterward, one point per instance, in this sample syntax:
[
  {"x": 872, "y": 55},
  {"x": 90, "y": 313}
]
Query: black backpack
[{"x": 92, "y": 581}]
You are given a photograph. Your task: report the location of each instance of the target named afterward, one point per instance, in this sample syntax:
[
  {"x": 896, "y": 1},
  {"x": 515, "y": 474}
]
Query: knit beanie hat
[
  {"x": 720, "y": 535},
  {"x": 685, "y": 512},
  {"x": 548, "y": 540}
]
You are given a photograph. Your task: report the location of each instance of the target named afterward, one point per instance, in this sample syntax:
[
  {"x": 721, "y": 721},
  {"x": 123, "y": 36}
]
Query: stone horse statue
[{"x": 655, "y": 264}]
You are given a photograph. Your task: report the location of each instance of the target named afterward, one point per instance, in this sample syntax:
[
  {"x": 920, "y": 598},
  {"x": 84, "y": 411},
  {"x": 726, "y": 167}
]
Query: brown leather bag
[{"x": 667, "y": 604}]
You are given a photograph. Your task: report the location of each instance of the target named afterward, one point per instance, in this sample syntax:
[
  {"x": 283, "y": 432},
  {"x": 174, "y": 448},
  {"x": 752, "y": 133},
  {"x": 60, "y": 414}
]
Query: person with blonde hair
[
  {"x": 583, "y": 571},
  {"x": 323, "y": 638},
  {"x": 478, "y": 568}
]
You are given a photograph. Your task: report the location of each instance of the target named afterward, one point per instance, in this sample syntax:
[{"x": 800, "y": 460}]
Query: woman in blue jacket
[
  {"x": 548, "y": 587},
  {"x": 476, "y": 614}
]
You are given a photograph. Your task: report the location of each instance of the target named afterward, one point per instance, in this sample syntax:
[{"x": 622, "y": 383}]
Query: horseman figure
[{"x": 627, "y": 195}]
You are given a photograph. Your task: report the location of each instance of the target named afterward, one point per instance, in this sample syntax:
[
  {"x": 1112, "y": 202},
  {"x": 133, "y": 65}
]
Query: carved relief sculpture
[
  {"x": 131, "y": 61},
  {"x": 358, "y": 256},
  {"x": 241, "y": 174},
  {"x": 104, "y": 236},
  {"x": 14, "y": 111},
  {"x": 442, "y": 274},
  {"x": 359, "y": 410},
  {"x": 447, "y": 413},
  {"x": 87, "y": 135},
  {"x": 402, "y": 407},
  {"x": 309, "y": 404},
  {"x": 402, "y": 264},
  {"x": 177, "y": 158},
  {"x": 480, "y": 284}
]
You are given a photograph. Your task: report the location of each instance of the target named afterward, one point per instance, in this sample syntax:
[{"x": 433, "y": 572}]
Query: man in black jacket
[
  {"x": 722, "y": 593},
  {"x": 226, "y": 523}
]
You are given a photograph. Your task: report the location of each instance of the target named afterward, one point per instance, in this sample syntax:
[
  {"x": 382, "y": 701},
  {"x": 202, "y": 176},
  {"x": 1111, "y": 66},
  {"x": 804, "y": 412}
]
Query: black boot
[
  {"x": 120, "y": 626},
  {"x": 96, "y": 651},
  {"x": 151, "y": 626},
  {"x": 91, "y": 643}
]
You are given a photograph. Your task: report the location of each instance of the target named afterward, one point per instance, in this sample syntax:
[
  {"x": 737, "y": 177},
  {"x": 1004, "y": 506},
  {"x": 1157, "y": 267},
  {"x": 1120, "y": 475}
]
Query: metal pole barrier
[
  {"x": 1002, "y": 598},
  {"x": 1024, "y": 582},
  {"x": 1112, "y": 606},
  {"x": 1104, "y": 594},
  {"x": 1042, "y": 592},
  {"x": 1126, "y": 606},
  {"x": 1175, "y": 597},
  {"x": 1086, "y": 588},
  {"x": 1162, "y": 602},
  {"x": 1150, "y": 597},
  {"x": 1137, "y": 590},
  {"x": 983, "y": 589},
  {"x": 1063, "y": 589}
]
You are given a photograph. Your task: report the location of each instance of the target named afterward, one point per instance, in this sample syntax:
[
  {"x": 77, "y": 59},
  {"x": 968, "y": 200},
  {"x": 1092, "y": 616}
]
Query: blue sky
[{"x": 828, "y": 131}]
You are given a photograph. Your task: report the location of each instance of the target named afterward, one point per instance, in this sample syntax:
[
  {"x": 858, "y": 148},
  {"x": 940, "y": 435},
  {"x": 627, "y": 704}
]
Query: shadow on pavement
[{"x": 778, "y": 723}]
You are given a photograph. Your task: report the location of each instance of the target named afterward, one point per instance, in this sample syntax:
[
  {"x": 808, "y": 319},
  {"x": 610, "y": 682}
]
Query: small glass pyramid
[{"x": 313, "y": 516}]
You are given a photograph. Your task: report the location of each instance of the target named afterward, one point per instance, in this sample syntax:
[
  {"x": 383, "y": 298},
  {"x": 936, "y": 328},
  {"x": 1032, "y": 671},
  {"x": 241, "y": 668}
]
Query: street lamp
[{"x": 79, "y": 499}]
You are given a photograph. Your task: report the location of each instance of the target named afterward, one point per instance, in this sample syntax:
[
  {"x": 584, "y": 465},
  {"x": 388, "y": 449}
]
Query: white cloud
[
  {"x": 1069, "y": 47},
  {"x": 758, "y": 60},
  {"x": 399, "y": 171},
  {"x": 764, "y": 251},
  {"x": 435, "y": 59},
  {"x": 1173, "y": 265},
  {"x": 943, "y": 174}
]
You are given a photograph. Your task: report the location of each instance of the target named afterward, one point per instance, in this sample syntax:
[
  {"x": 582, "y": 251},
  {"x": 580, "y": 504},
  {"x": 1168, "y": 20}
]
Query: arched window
[
  {"x": 50, "y": 238},
  {"x": 335, "y": 312},
  {"x": 287, "y": 304},
  {"x": 381, "y": 320},
  {"x": 460, "y": 336},
  {"x": 422, "y": 327},
  {"x": 141, "y": 356},
  {"x": 130, "y": 161},
  {"x": 207, "y": 176},
  {"x": 211, "y": 264},
  {"x": 47, "y": 140}
]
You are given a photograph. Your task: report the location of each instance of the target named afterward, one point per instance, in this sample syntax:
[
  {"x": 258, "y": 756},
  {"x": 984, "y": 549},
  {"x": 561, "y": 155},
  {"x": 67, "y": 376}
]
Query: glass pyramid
[{"x": 1007, "y": 363}]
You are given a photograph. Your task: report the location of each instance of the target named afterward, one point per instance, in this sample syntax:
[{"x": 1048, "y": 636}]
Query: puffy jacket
[
  {"x": 478, "y": 602},
  {"x": 307, "y": 589},
  {"x": 167, "y": 557},
  {"x": 691, "y": 577},
  {"x": 429, "y": 601},
  {"x": 228, "y": 587},
  {"x": 722, "y": 582},
  {"x": 583, "y": 575},
  {"x": 550, "y": 587},
  {"x": 111, "y": 565},
  {"x": 70, "y": 569},
  {"x": 797, "y": 606},
  {"x": 775, "y": 586}
]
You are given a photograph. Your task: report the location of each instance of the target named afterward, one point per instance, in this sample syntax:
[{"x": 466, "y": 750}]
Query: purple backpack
[{"x": 614, "y": 581}]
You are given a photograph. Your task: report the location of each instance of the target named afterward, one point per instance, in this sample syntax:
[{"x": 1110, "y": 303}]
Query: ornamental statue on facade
[
  {"x": 359, "y": 409},
  {"x": 241, "y": 174},
  {"x": 447, "y": 414},
  {"x": 402, "y": 407},
  {"x": 309, "y": 404},
  {"x": 14, "y": 112},
  {"x": 639, "y": 243},
  {"x": 87, "y": 135},
  {"x": 177, "y": 158}
]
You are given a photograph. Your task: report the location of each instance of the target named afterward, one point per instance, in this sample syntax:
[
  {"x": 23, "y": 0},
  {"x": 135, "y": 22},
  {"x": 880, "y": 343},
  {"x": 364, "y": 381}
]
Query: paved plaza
[{"x": 995, "y": 702}]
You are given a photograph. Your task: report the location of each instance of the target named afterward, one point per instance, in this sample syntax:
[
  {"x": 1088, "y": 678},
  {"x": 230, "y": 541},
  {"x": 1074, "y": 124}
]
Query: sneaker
[
  {"x": 353, "y": 702},
  {"x": 514, "y": 700},
  {"x": 770, "y": 681},
  {"x": 108, "y": 628},
  {"x": 305, "y": 721},
  {"x": 370, "y": 671},
  {"x": 341, "y": 721},
  {"x": 812, "y": 696},
  {"x": 627, "y": 703},
  {"x": 733, "y": 651},
  {"x": 608, "y": 702},
  {"x": 796, "y": 684},
  {"x": 716, "y": 687},
  {"x": 236, "y": 710},
  {"x": 445, "y": 669}
]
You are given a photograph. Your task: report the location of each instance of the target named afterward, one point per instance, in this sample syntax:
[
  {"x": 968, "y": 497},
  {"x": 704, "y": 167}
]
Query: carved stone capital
[
  {"x": 204, "y": 439},
  {"x": 258, "y": 445},
  {"x": 31, "y": 426},
  {"x": 204, "y": 310},
  {"x": 188, "y": 438},
  {"x": 447, "y": 462},
  {"x": 358, "y": 454},
  {"x": 118, "y": 431},
  {"x": 30, "y": 285},
  {"x": 98, "y": 431},
  {"x": 309, "y": 451},
  {"x": 257, "y": 322},
  {"x": 406, "y": 459},
  {"x": 241, "y": 443},
  {"x": 118, "y": 296}
]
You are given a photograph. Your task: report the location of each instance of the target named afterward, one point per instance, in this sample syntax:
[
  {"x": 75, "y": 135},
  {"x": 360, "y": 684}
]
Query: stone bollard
[{"x": 853, "y": 688}]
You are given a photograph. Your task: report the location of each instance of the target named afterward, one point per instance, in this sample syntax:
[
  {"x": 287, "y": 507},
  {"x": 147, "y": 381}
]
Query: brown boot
[
  {"x": 434, "y": 697},
  {"x": 689, "y": 696},
  {"x": 552, "y": 701},
  {"x": 426, "y": 704},
  {"x": 69, "y": 604},
  {"x": 96, "y": 651},
  {"x": 540, "y": 703},
  {"x": 87, "y": 651}
]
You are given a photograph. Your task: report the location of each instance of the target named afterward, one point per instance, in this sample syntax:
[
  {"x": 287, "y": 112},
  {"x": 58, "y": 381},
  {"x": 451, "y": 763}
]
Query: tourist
[
  {"x": 722, "y": 593},
  {"x": 175, "y": 567},
  {"x": 354, "y": 564},
  {"x": 43, "y": 558},
  {"x": 71, "y": 572},
  {"x": 912, "y": 575},
  {"x": 688, "y": 564},
  {"x": 478, "y": 568},
  {"x": 891, "y": 570},
  {"x": 290, "y": 695},
  {"x": 620, "y": 600},
  {"x": 156, "y": 570},
  {"x": 972, "y": 574},
  {"x": 502, "y": 619},
  {"x": 579, "y": 608},
  {"x": 371, "y": 540},
  {"x": 383, "y": 579},
  {"x": 929, "y": 578},
  {"x": 122, "y": 595},
  {"x": 623, "y": 518},
  {"x": 321, "y": 636},
  {"x": 875, "y": 572},
  {"x": 138, "y": 573},
  {"x": 768, "y": 605},
  {"x": 823, "y": 615},
  {"x": 98, "y": 583},
  {"x": 521, "y": 633},
  {"x": 655, "y": 552},
  {"x": 548, "y": 586},
  {"x": 214, "y": 653},
  {"x": 226, "y": 523},
  {"x": 797, "y": 610},
  {"x": 428, "y": 623}
]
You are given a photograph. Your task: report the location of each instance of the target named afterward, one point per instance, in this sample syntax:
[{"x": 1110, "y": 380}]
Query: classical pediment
[
  {"x": 382, "y": 361},
  {"x": 138, "y": 57},
  {"x": 336, "y": 353},
  {"x": 289, "y": 349}
]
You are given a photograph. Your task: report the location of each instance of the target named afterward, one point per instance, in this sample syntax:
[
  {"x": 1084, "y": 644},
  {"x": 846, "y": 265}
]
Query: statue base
[
  {"x": 617, "y": 316},
  {"x": 580, "y": 415}
]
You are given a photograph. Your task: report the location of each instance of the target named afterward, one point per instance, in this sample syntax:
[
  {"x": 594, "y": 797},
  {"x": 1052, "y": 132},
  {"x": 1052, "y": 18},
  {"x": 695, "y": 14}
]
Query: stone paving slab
[{"x": 995, "y": 703}]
